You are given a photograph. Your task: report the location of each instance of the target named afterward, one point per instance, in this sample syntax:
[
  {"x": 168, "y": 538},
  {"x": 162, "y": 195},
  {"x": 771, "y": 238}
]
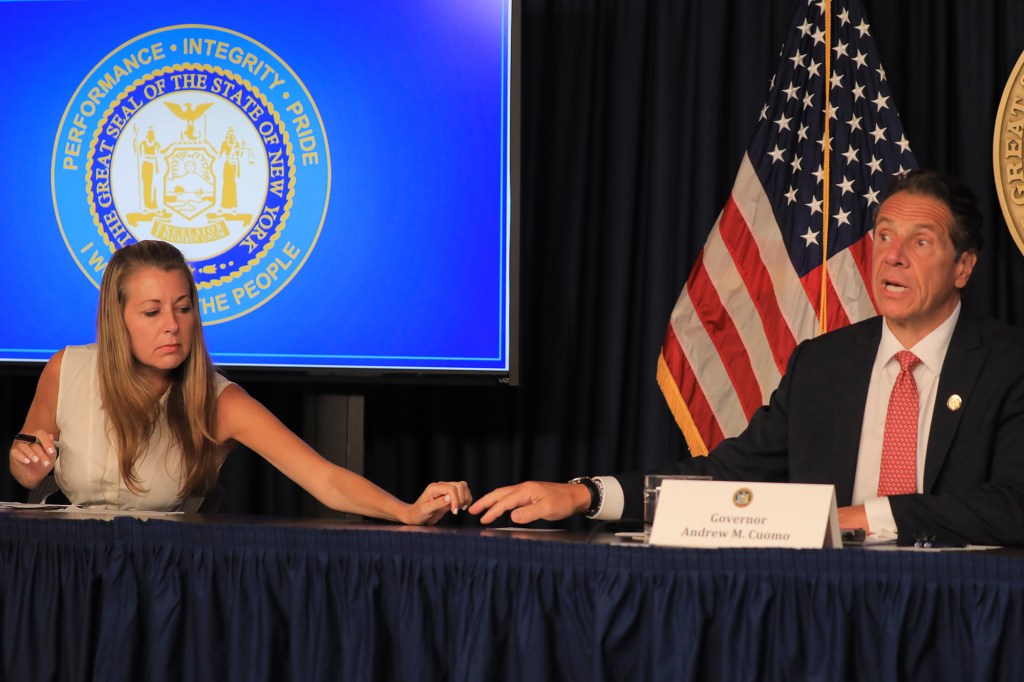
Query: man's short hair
[{"x": 965, "y": 232}]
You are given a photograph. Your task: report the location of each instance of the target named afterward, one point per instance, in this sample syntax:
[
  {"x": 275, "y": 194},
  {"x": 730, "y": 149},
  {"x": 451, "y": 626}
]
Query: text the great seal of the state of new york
[
  {"x": 1008, "y": 153},
  {"x": 204, "y": 138}
]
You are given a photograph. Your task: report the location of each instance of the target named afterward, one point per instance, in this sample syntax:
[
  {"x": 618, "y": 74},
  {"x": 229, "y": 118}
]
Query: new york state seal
[
  {"x": 204, "y": 138},
  {"x": 1008, "y": 153}
]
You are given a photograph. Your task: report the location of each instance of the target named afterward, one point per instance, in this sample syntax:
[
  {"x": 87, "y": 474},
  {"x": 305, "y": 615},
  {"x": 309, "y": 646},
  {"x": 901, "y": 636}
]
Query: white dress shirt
[{"x": 931, "y": 350}]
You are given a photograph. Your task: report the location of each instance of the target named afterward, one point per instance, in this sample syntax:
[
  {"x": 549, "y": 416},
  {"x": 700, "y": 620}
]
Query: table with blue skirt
[{"x": 223, "y": 598}]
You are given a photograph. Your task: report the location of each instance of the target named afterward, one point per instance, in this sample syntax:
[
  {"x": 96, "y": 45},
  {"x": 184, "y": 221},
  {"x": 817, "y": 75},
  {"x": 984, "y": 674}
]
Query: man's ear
[{"x": 964, "y": 267}]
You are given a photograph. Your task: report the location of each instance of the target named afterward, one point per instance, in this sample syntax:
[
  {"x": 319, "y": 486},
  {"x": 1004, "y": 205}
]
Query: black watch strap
[{"x": 595, "y": 494}]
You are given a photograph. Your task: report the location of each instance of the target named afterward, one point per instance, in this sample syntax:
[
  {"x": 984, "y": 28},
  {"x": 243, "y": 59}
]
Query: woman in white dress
[{"x": 145, "y": 421}]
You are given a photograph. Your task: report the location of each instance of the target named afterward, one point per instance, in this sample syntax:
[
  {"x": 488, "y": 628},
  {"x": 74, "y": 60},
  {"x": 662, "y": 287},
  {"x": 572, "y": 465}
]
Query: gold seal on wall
[{"x": 1008, "y": 153}]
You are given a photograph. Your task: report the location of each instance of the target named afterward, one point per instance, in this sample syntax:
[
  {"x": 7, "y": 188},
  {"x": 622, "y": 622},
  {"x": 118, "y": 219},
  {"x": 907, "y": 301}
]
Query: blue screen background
[{"x": 411, "y": 266}]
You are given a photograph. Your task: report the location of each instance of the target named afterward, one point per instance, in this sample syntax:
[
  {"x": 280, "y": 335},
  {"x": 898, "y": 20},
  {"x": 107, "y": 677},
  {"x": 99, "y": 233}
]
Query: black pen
[{"x": 29, "y": 438}]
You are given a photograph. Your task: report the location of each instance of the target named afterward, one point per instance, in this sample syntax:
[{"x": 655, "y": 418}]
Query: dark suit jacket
[{"x": 810, "y": 432}]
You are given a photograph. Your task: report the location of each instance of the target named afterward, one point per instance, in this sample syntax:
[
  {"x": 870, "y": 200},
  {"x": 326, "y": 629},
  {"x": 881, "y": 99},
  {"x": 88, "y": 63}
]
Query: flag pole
[{"x": 826, "y": 177}]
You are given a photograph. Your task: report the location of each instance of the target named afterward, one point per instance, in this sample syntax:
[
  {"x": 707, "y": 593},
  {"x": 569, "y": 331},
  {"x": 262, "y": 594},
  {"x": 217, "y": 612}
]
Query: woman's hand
[
  {"x": 32, "y": 457},
  {"x": 436, "y": 501}
]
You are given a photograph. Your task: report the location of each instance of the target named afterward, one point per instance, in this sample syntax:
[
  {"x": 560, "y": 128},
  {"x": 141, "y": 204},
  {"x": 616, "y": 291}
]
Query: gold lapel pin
[{"x": 954, "y": 402}]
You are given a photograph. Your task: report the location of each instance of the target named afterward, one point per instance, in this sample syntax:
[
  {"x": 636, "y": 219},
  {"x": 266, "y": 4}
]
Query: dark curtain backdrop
[{"x": 635, "y": 114}]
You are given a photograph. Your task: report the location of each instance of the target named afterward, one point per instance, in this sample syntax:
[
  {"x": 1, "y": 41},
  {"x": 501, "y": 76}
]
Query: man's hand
[
  {"x": 533, "y": 500},
  {"x": 853, "y": 517}
]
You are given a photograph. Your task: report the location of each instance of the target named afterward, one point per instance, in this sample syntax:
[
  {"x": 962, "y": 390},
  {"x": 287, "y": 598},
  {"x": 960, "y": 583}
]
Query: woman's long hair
[{"x": 132, "y": 409}]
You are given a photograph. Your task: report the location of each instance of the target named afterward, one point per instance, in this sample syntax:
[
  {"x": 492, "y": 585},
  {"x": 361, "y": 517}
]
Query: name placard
[{"x": 744, "y": 514}]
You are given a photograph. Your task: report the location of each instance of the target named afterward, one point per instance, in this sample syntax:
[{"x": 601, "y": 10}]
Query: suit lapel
[
  {"x": 960, "y": 370},
  {"x": 854, "y": 372}
]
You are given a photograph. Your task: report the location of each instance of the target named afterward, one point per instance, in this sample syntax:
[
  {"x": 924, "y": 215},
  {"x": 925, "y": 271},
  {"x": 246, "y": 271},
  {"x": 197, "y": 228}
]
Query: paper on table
[
  {"x": 92, "y": 511},
  {"x": 884, "y": 537},
  {"x": 30, "y": 505}
]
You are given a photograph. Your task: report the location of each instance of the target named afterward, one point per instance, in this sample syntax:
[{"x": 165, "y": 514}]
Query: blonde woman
[{"x": 145, "y": 421}]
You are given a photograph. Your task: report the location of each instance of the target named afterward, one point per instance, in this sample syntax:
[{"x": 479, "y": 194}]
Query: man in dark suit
[{"x": 834, "y": 415}]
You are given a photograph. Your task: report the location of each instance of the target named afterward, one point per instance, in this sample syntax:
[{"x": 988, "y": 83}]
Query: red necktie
[{"x": 898, "y": 474}]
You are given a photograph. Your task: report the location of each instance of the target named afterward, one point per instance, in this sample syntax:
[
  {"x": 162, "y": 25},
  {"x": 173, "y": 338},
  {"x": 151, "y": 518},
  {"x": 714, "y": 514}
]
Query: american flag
[{"x": 756, "y": 289}]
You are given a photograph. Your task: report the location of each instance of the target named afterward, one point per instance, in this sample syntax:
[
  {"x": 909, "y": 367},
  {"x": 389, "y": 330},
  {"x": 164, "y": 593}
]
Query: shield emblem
[{"x": 189, "y": 184}]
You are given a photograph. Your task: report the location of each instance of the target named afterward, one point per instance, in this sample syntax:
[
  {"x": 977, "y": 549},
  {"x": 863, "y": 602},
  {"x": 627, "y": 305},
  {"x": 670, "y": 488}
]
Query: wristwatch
[{"x": 596, "y": 489}]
